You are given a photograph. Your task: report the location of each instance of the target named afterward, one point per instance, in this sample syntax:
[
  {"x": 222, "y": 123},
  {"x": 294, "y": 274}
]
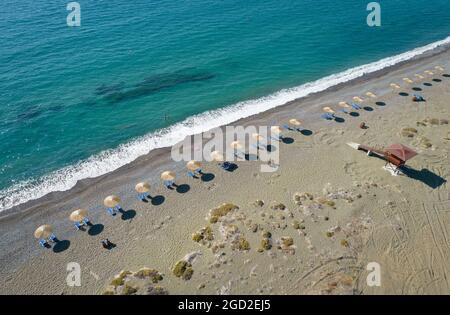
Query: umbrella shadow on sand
[
  {"x": 287, "y": 140},
  {"x": 128, "y": 214},
  {"x": 61, "y": 246},
  {"x": 339, "y": 119},
  {"x": 183, "y": 188},
  {"x": 426, "y": 176},
  {"x": 95, "y": 229},
  {"x": 306, "y": 132},
  {"x": 157, "y": 200},
  {"x": 207, "y": 177}
]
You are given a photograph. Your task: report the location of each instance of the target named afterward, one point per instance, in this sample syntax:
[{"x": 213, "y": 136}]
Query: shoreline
[
  {"x": 183, "y": 209},
  {"x": 58, "y": 196}
]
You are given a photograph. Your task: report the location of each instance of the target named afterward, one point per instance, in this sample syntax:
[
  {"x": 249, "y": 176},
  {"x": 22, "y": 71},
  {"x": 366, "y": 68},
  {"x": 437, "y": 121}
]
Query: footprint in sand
[
  {"x": 328, "y": 138},
  {"x": 359, "y": 172},
  {"x": 212, "y": 186}
]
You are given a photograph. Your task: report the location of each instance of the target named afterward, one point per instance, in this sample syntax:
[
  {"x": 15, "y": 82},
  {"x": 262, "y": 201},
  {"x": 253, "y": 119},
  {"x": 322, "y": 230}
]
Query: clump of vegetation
[
  {"x": 278, "y": 206},
  {"x": 299, "y": 198},
  {"x": 188, "y": 273},
  {"x": 153, "y": 274},
  {"x": 213, "y": 219},
  {"x": 128, "y": 290},
  {"x": 242, "y": 244},
  {"x": 421, "y": 123},
  {"x": 221, "y": 211},
  {"x": 258, "y": 203},
  {"x": 329, "y": 234},
  {"x": 205, "y": 233},
  {"x": 117, "y": 282},
  {"x": 296, "y": 225},
  {"x": 408, "y": 132},
  {"x": 119, "y": 279},
  {"x": 266, "y": 234},
  {"x": 345, "y": 243},
  {"x": 183, "y": 270},
  {"x": 197, "y": 237},
  {"x": 265, "y": 244},
  {"x": 142, "y": 281},
  {"x": 287, "y": 241},
  {"x": 432, "y": 121},
  {"x": 156, "y": 290},
  {"x": 253, "y": 227}
]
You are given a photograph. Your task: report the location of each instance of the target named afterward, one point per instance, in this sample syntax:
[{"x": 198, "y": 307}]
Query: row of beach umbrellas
[
  {"x": 418, "y": 76},
  {"x": 329, "y": 111},
  {"x": 45, "y": 231}
]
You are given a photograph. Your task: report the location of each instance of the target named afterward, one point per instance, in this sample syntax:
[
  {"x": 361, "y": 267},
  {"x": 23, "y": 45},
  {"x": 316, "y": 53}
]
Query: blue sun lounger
[
  {"x": 277, "y": 138},
  {"x": 143, "y": 196},
  {"x": 44, "y": 242},
  {"x": 112, "y": 211},
  {"x": 83, "y": 222},
  {"x": 327, "y": 116},
  {"x": 168, "y": 183},
  {"x": 355, "y": 106},
  {"x": 194, "y": 173}
]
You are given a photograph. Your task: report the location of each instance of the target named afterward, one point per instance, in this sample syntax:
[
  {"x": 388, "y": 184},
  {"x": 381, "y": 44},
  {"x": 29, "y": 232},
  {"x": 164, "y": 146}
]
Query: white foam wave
[{"x": 110, "y": 160}]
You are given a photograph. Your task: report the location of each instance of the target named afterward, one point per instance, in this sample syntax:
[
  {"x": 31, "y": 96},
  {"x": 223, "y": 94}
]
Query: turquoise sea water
[{"x": 135, "y": 68}]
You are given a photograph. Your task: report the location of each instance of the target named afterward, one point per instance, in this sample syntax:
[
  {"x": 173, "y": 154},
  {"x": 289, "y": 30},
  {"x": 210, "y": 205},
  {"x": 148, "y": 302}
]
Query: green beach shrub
[{"x": 183, "y": 270}]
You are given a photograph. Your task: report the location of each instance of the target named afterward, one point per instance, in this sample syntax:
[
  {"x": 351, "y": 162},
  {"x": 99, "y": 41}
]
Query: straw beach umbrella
[
  {"x": 408, "y": 80},
  {"x": 439, "y": 68},
  {"x": 78, "y": 215},
  {"x": 394, "y": 85},
  {"x": 168, "y": 175},
  {"x": 217, "y": 156},
  {"x": 237, "y": 145},
  {"x": 358, "y": 99},
  {"x": 328, "y": 110},
  {"x": 168, "y": 178},
  {"x": 419, "y": 76},
  {"x": 193, "y": 165},
  {"x": 142, "y": 187},
  {"x": 276, "y": 129},
  {"x": 370, "y": 94},
  {"x": 111, "y": 201},
  {"x": 344, "y": 105},
  {"x": 428, "y": 72},
  {"x": 44, "y": 231},
  {"x": 295, "y": 122}
]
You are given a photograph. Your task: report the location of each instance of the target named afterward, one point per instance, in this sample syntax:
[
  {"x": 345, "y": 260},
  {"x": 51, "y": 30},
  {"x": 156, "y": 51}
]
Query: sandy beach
[{"x": 311, "y": 227}]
